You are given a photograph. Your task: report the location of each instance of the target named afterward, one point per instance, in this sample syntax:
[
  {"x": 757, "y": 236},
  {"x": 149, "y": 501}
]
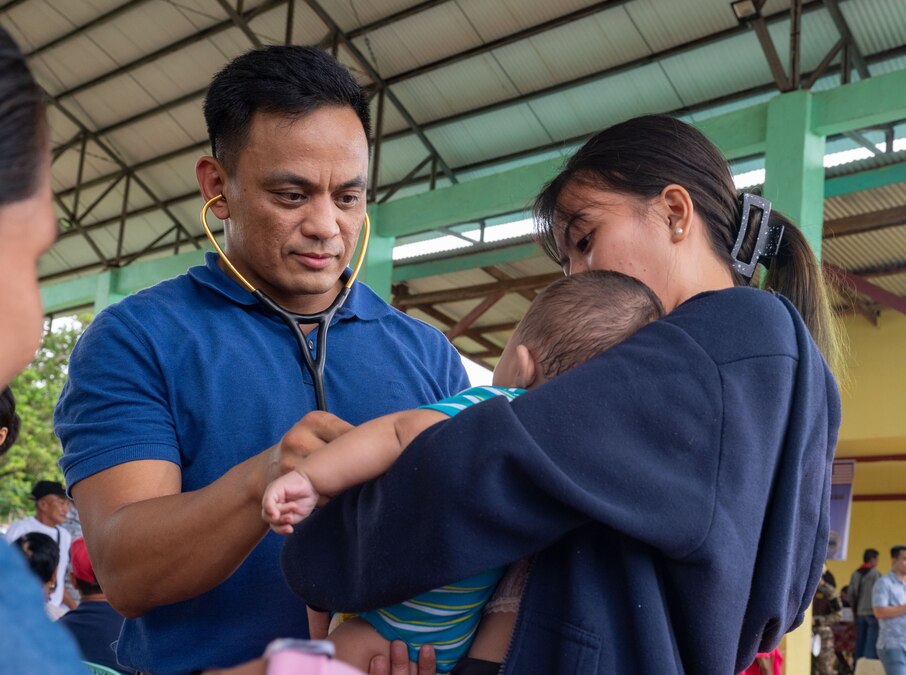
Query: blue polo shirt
[
  {"x": 196, "y": 372},
  {"x": 890, "y": 591}
]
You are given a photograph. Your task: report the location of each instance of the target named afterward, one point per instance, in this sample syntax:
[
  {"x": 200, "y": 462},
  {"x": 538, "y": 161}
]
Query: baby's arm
[
  {"x": 357, "y": 456},
  {"x": 367, "y": 451}
]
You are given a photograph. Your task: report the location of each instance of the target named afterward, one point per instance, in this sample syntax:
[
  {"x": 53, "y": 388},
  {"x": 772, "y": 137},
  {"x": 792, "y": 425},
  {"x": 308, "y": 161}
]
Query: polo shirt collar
[{"x": 362, "y": 302}]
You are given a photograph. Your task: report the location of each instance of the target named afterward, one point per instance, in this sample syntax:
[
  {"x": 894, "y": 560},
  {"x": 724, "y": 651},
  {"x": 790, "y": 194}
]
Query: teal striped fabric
[
  {"x": 455, "y": 404},
  {"x": 446, "y": 617}
]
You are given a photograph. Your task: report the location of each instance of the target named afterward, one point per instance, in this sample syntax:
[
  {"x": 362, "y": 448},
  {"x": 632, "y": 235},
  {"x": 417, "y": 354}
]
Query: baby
[{"x": 570, "y": 322}]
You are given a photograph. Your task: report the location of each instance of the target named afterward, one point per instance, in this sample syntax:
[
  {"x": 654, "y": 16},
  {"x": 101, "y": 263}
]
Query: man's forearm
[
  {"x": 172, "y": 547},
  {"x": 889, "y": 612}
]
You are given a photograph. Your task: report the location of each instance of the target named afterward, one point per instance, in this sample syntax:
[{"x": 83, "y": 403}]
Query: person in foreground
[
  {"x": 548, "y": 341},
  {"x": 674, "y": 490},
  {"x": 29, "y": 641},
  {"x": 181, "y": 399}
]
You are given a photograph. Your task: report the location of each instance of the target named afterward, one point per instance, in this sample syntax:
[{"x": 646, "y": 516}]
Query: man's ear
[
  {"x": 211, "y": 177},
  {"x": 679, "y": 207},
  {"x": 4, "y": 432},
  {"x": 528, "y": 372}
]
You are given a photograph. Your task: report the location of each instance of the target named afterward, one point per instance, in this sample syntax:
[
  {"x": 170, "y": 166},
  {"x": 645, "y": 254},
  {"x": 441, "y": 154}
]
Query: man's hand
[
  {"x": 399, "y": 661},
  {"x": 312, "y": 432}
]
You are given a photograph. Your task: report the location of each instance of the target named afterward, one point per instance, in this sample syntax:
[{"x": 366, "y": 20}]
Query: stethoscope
[{"x": 314, "y": 364}]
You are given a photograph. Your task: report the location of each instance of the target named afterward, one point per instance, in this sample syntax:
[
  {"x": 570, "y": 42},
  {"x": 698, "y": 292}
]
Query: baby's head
[{"x": 570, "y": 322}]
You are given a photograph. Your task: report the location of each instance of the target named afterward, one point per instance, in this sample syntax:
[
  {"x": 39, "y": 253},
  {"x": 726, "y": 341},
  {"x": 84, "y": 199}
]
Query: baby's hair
[{"x": 578, "y": 317}]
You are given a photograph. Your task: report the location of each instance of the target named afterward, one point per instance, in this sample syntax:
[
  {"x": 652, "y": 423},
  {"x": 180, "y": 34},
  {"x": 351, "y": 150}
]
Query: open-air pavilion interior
[{"x": 476, "y": 104}]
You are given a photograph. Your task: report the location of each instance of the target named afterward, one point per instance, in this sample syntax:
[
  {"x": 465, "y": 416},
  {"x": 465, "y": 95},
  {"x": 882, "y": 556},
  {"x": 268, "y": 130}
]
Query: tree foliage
[{"x": 36, "y": 454}]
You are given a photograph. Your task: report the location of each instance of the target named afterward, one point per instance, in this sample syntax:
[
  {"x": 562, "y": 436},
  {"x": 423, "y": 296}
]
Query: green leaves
[{"x": 36, "y": 454}]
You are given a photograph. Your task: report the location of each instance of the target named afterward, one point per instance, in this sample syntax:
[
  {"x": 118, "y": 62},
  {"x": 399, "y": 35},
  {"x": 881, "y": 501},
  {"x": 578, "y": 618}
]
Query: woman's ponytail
[{"x": 796, "y": 273}]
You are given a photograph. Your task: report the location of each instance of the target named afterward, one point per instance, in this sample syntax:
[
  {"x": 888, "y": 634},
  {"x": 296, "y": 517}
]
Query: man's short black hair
[
  {"x": 280, "y": 79},
  {"x": 869, "y": 555},
  {"x": 896, "y": 550}
]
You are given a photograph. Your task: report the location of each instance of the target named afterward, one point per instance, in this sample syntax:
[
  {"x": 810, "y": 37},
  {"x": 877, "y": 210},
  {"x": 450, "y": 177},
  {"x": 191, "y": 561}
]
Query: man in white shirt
[{"x": 51, "y": 507}]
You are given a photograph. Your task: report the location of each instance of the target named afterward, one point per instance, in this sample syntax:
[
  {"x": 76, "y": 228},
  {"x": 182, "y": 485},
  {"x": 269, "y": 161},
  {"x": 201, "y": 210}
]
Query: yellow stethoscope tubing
[{"x": 251, "y": 289}]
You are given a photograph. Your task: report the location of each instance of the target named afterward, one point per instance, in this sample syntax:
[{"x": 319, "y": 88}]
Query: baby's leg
[{"x": 357, "y": 642}]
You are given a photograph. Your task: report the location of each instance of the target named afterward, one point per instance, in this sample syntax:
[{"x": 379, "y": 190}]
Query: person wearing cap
[
  {"x": 94, "y": 624},
  {"x": 51, "y": 507}
]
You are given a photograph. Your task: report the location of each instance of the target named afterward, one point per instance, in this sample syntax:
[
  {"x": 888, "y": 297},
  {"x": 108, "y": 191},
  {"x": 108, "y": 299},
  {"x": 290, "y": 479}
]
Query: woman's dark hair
[
  {"x": 22, "y": 131},
  {"x": 8, "y": 419},
  {"x": 42, "y": 553},
  {"x": 642, "y": 156},
  {"x": 286, "y": 80}
]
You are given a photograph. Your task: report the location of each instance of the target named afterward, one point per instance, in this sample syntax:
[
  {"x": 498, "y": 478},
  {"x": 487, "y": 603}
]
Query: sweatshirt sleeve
[{"x": 630, "y": 440}]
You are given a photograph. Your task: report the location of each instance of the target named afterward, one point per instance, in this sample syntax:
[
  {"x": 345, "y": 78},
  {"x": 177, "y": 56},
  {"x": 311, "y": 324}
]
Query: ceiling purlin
[
  {"x": 548, "y": 91},
  {"x": 81, "y": 30},
  {"x": 377, "y": 79},
  {"x": 505, "y": 40},
  {"x": 171, "y": 48},
  {"x": 128, "y": 171}
]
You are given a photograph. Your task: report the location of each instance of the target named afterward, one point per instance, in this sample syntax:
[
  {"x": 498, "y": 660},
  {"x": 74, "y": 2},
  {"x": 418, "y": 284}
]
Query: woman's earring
[{"x": 679, "y": 231}]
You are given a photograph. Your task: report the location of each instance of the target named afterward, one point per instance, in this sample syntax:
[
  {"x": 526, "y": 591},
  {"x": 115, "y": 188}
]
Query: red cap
[{"x": 81, "y": 565}]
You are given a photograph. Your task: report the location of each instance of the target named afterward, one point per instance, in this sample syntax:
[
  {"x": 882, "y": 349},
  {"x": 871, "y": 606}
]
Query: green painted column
[
  {"x": 107, "y": 292},
  {"x": 794, "y": 182},
  {"x": 794, "y": 164},
  {"x": 377, "y": 270}
]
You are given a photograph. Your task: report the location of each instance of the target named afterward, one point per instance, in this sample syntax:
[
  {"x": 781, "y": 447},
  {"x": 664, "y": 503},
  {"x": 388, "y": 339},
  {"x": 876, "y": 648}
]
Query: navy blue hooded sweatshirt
[{"x": 674, "y": 490}]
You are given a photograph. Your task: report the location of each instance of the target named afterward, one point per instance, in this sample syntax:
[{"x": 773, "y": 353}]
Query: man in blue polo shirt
[{"x": 182, "y": 399}]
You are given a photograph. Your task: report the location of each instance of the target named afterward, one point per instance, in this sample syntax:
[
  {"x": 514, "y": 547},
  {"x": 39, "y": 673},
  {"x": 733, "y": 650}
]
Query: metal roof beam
[
  {"x": 171, "y": 48},
  {"x": 894, "y": 53},
  {"x": 81, "y": 30},
  {"x": 11, "y": 4},
  {"x": 81, "y": 292},
  {"x": 465, "y": 323},
  {"x": 861, "y": 104},
  {"x": 865, "y": 222},
  {"x": 376, "y": 77},
  {"x": 130, "y": 171},
  {"x": 866, "y": 288},
  {"x": 240, "y": 22},
  {"x": 865, "y": 180},
  {"x": 475, "y": 292},
  {"x": 833, "y": 8},
  {"x": 524, "y": 34},
  {"x": 492, "y": 349},
  {"x": 466, "y": 261},
  {"x": 684, "y": 48},
  {"x": 739, "y": 133},
  {"x": 395, "y": 18}
]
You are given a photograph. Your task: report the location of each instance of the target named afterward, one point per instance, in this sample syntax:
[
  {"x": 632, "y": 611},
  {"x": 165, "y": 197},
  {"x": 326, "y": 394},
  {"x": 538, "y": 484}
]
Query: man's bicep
[{"x": 98, "y": 498}]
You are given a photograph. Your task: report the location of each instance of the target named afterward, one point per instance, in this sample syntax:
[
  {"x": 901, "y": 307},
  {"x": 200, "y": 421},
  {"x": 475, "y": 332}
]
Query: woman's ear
[
  {"x": 211, "y": 179},
  {"x": 4, "y": 432},
  {"x": 679, "y": 208}
]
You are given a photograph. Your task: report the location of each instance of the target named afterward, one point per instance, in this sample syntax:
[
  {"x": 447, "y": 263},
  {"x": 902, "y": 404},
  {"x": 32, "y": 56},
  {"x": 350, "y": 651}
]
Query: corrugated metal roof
[
  {"x": 523, "y": 126},
  {"x": 868, "y": 250},
  {"x": 868, "y": 201}
]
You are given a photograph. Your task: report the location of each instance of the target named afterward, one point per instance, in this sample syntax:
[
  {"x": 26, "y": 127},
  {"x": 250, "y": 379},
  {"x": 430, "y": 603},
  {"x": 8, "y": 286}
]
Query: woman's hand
[{"x": 398, "y": 663}]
